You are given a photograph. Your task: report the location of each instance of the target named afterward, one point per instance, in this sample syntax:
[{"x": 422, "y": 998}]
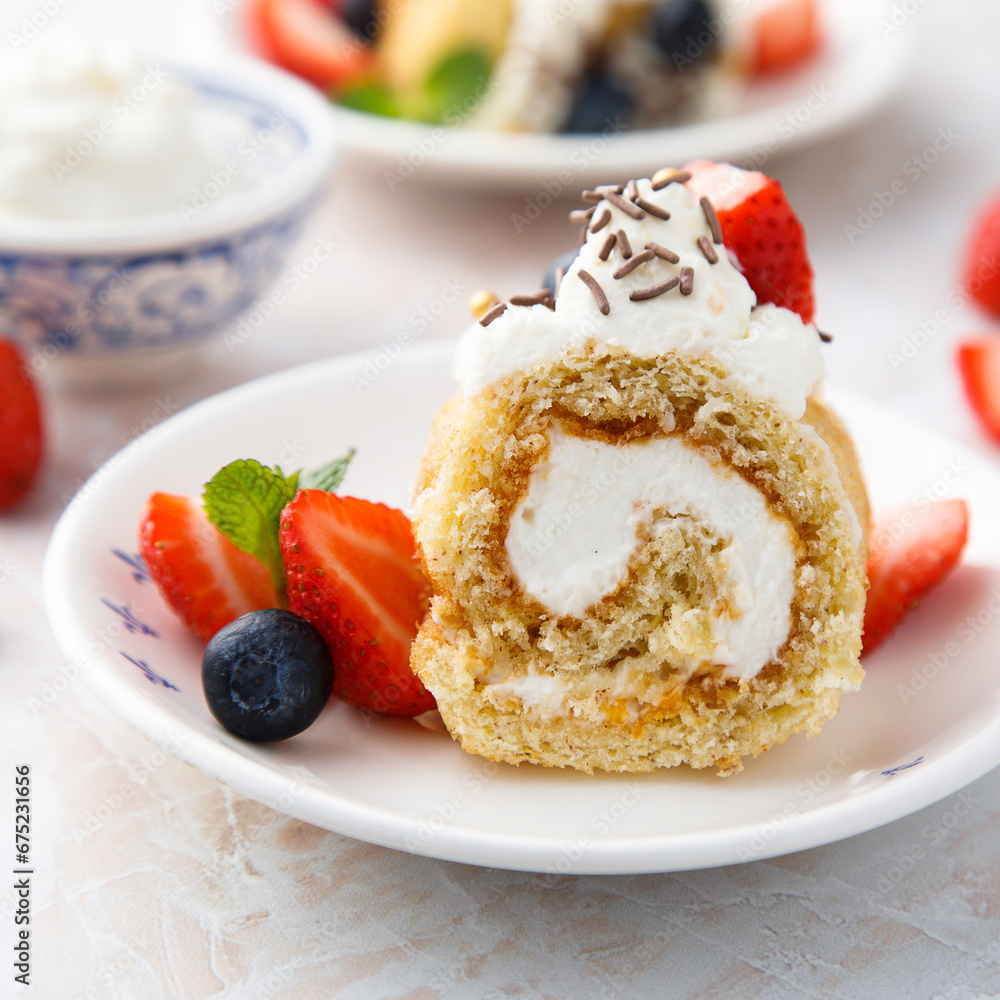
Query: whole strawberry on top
[
  {"x": 21, "y": 430},
  {"x": 761, "y": 229}
]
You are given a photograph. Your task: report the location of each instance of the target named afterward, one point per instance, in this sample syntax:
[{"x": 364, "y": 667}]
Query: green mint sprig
[
  {"x": 244, "y": 500},
  {"x": 327, "y": 477}
]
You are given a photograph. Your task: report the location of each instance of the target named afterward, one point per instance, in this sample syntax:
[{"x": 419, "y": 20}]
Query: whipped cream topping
[
  {"x": 768, "y": 349},
  {"x": 574, "y": 534}
]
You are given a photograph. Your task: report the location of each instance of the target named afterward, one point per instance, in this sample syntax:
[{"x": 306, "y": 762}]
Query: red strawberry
[
  {"x": 760, "y": 228},
  {"x": 979, "y": 366},
  {"x": 981, "y": 268},
  {"x": 912, "y": 548},
  {"x": 21, "y": 432},
  {"x": 307, "y": 38},
  {"x": 785, "y": 34},
  {"x": 353, "y": 572},
  {"x": 200, "y": 573}
]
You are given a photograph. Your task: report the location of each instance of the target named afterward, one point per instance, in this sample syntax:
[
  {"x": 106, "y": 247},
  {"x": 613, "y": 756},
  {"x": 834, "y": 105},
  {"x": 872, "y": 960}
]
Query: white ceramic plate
[
  {"x": 857, "y": 71},
  {"x": 926, "y": 723}
]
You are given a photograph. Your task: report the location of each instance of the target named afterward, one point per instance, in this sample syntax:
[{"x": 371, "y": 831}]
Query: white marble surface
[{"x": 154, "y": 881}]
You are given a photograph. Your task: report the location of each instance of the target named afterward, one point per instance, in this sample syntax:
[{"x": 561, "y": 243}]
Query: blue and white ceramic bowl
[{"x": 111, "y": 301}]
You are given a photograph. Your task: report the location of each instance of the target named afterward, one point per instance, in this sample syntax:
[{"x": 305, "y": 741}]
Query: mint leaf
[
  {"x": 452, "y": 88},
  {"x": 244, "y": 500},
  {"x": 327, "y": 477},
  {"x": 373, "y": 98}
]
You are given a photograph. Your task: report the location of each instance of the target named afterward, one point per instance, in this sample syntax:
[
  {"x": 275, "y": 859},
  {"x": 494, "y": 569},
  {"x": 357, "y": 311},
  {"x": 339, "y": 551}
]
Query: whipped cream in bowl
[{"x": 145, "y": 203}]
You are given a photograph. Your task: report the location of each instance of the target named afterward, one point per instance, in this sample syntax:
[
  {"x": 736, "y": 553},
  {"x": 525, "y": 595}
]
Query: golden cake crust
[{"x": 482, "y": 628}]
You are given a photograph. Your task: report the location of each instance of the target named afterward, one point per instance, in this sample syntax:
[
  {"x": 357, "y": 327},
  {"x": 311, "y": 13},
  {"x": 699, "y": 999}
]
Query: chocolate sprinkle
[
  {"x": 605, "y": 189},
  {"x": 492, "y": 313},
  {"x": 581, "y": 215},
  {"x": 595, "y": 289},
  {"x": 631, "y": 191},
  {"x": 650, "y": 293},
  {"x": 660, "y": 213},
  {"x": 609, "y": 244},
  {"x": 626, "y": 206},
  {"x": 711, "y": 218},
  {"x": 594, "y": 196},
  {"x": 825, "y": 337},
  {"x": 531, "y": 300},
  {"x": 601, "y": 220},
  {"x": 704, "y": 244},
  {"x": 681, "y": 177},
  {"x": 630, "y": 265},
  {"x": 687, "y": 280},
  {"x": 663, "y": 253},
  {"x": 624, "y": 245}
]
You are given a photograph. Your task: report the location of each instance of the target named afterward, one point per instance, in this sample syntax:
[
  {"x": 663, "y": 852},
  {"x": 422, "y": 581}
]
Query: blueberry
[
  {"x": 267, "y": 675},
  {"x": 599, "y": 103},
  {"x": 682, "y": 30},
  {"x": 361, "y": 16},
  {"x": 561, "y": 263}
]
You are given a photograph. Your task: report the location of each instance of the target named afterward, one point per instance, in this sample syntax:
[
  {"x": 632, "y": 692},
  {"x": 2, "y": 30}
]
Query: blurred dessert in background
[{"x": 537, "y": 65}]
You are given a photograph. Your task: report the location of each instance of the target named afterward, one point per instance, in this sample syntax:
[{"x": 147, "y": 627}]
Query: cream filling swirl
[{"x": 589, "y": 504}]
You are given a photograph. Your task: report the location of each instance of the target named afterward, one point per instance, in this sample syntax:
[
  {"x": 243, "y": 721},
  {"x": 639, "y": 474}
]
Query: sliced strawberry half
[
  {"x": 912, "y": 548},
  {"x": 200, "y": 573},
  {"x": 21, "y": 431},
  {"x": 353, "y": 571},
  {"x": 784, "y": 35},
  {"x": 307, "y": 38},
  {"x": 760, "y": 228},
  {"x": 981, "y": 265},
  {"x": 979, "y": 366}
]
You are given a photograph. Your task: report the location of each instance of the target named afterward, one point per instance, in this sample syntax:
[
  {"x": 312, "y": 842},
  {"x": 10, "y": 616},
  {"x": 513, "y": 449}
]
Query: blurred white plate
[
  {"x": 926, "y": 723},
  {"x": 856, "y": 72}
]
